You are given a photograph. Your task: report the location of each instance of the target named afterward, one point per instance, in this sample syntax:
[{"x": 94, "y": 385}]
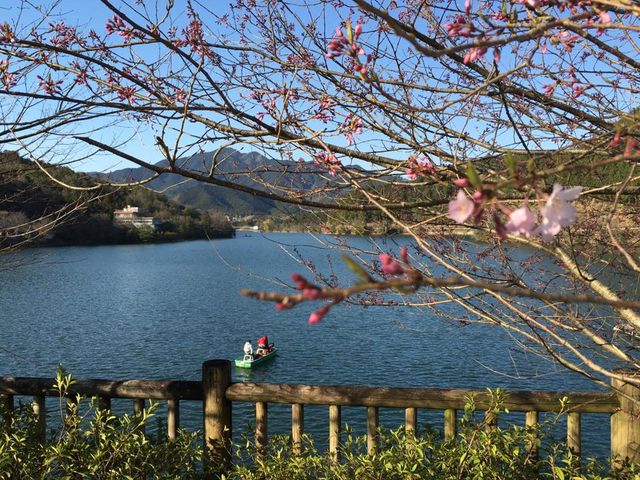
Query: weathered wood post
[
  {"x": 625, "y": 423},
  {"x": 410, "y": 422},
  {"x": 450, "y": 423},
  {"x": 262, "y": 437},
  {"x": 173, "y": 418},
  {"x": 334, "y": 432},
  {"x": 297, "y": 427},
  {"x": 216, "y": 414}
]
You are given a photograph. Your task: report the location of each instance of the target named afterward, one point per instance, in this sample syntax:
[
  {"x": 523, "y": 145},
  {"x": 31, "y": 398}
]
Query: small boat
[{"x": 250, "y": 361}]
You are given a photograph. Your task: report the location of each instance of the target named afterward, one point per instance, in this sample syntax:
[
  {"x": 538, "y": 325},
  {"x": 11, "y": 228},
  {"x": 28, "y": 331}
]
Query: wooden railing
[{"x": 217, "y": 394}]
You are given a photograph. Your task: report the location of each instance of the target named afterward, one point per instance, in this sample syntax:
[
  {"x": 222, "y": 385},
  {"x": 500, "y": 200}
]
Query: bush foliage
[{"x": 94, "y": 443}]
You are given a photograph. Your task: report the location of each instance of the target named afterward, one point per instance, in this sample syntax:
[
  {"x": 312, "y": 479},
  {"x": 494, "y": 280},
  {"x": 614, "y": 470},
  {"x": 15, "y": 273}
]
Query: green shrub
[
  {"x": 482, "y": 450},
  {"x": 95, "y": 444}
]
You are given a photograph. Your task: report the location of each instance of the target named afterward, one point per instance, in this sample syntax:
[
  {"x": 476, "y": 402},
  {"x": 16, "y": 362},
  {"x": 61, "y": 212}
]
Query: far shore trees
[{"x": 443, "y": 118}]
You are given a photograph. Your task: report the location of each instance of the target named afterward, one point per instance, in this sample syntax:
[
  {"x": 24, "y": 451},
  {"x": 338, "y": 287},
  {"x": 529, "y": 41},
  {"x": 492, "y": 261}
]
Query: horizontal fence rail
[
  {"x": 217, "y": 393},
  {"x": 146, "y": 389},
  {"x": 429, "y": 398}
]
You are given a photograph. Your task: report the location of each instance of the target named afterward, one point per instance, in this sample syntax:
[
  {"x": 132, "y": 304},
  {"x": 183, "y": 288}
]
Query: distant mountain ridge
[{"x": 250, "y": 169}]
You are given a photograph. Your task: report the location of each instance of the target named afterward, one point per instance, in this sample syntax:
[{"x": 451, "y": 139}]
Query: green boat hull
[{"x": 242, "y": 363}]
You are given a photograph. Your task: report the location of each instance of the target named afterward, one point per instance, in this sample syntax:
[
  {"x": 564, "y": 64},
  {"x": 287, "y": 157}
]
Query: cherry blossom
[
  {"x": 461, "y": 208},
  {"x": 389, "y": 265},
  {"x": 461, "y": 182},
  {"x": 521, "y": 222},
  {"x": 459, "y": 28},
  {"x": 557, "y": 213},
  {"x": 318, "y": 315},
  {"x": 417, "y": 167}
]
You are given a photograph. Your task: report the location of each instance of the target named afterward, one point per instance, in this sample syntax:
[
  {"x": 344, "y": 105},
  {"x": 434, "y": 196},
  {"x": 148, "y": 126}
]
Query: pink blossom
[
  {"x": 605, "y": 17},
  {"x": 419, "y": 167},
  {"x": 549, "y": 88},
  {"x": 474, "y": 54},
  {"x": 51, "y": 87},
  {"x": 521, "y": 222},
  {"x": 531, "y": 3},
  {"x": 461, "y": 182},
  {"x": 389, "y": 265},
  {"x": 128, "y": 94},
  {"x": 557, "y": 213},
  {"x": 630, "y": 148},
  {"x": 459, "y": 28},
  {"x": 318, "y": 315},
  {"x": 411, "y": 174},
  {"x": 301, "y": 282},
  {"x": 351, "y": 126},
  {"x": 349, "y": 47},
  {"x": 328, "y": 160},
  {"x": 578, "y": 90},
  {"x": 617, "y": 140},
  {"x": 461, "y": 208}
]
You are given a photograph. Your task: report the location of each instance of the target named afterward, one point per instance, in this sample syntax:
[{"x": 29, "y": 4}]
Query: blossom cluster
[
  {"x": 50, "y": 86},
  {"x": 391, "y": 266},
  {"x": 310, "y": 292},
  {"x": 555, "y": 213},
  {"x": 116, "y": 25},
  {"x": 351, "y": 126},
  {"x": 631, "y": 145},
  {"x": 416, "y": 168},
  {"x": 463, "y": 26},
  {"x": 7, "y": 79},
  {"x": 329, "y": 161},
  {"x": 347, "y": 45}
]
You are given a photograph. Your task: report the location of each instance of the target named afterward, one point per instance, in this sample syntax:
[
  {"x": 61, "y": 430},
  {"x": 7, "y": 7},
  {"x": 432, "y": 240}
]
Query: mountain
[{"x": 249, "y": 169}]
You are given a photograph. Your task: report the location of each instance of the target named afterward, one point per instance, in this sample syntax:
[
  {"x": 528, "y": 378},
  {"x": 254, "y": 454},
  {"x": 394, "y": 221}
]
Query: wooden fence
[{"x": 217, "y": 394}]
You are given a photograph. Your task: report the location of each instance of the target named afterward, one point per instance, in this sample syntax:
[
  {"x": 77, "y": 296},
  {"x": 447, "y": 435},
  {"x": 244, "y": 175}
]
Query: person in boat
[
  {"x": 248, "y": 349},
  {"x": 264, "y": 347}
]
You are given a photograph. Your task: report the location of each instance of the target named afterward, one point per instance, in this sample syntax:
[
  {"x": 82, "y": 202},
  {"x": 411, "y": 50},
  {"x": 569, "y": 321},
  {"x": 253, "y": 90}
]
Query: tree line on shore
[{"x": 36, "y": 209}]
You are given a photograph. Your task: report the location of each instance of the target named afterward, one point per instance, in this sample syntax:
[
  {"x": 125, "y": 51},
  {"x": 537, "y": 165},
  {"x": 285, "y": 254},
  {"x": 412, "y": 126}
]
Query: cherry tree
[{"x": 513, "y": 123}]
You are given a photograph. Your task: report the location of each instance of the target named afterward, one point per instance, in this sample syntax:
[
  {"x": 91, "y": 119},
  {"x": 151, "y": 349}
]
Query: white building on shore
[{"x": 131, "y": 216}]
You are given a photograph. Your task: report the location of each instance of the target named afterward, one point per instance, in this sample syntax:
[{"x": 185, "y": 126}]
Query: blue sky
[{"x": 140, "y": 143}]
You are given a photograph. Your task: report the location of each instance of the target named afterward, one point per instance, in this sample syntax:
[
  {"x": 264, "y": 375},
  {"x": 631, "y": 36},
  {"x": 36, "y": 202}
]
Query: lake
[{"x": 159, "y": 311}]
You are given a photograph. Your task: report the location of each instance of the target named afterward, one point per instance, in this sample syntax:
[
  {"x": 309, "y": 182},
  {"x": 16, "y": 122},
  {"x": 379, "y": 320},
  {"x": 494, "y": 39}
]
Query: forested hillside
[{"x": 34, "y": 208}]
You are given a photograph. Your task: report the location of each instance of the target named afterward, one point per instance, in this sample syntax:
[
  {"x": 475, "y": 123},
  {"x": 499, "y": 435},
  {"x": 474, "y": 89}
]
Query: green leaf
[
  {"x": 356, "y": 268},
  {"x": 531, "y": 165},
  {"x": 558, "y": 473},
  {"x": 472, "y": 175}
]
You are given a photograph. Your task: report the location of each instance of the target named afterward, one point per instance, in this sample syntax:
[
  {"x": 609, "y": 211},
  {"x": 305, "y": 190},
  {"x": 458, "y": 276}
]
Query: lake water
[{"x": 159, "y": 311}]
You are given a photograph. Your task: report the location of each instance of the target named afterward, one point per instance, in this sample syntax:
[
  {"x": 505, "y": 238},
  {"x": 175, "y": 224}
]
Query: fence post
[
  {"x": 216, "y": 414},
  {"x": 625, "y": 423}
]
